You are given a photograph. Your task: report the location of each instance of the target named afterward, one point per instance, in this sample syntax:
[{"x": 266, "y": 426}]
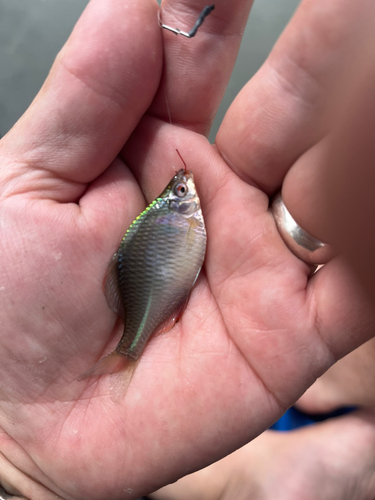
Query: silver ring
[{"x": 304, "y": 246}]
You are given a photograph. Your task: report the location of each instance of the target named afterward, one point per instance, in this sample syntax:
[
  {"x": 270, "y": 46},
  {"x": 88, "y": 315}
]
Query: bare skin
[
  {"x": 349, "y": 382},
  {"x": 92, "y": 150},
  {"x": 341, "y": 165},
  {"x": 333, "y": 460}
]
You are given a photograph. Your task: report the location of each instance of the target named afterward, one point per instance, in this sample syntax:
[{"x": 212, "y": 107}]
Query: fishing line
[
  {"x": 183, "y": 161},
  {"x": 205, "y": 12},
  {"x": 166, "y": 102}
]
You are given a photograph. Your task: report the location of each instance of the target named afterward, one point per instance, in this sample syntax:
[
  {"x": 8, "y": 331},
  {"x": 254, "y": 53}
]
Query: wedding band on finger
[{"x": 304, "y": 246}]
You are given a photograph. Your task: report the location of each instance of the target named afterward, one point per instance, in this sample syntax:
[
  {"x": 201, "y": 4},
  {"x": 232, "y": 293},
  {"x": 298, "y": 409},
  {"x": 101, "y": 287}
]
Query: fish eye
[{"x": 181, "y": 189}]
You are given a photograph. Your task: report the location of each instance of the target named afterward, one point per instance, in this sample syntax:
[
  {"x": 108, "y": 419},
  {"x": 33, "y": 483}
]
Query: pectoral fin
[{"x": 190, "y": 237}]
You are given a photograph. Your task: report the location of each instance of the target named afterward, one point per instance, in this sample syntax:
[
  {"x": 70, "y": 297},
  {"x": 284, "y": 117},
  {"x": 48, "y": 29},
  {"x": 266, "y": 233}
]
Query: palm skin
[{"x": 256, "y": 332}]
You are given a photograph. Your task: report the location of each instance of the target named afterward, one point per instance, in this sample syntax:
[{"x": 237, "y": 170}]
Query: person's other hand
[
  {"x": 333, "y": 460},
  {"x": 349, "y": 382},
  {"x": 257, "y": 330}
]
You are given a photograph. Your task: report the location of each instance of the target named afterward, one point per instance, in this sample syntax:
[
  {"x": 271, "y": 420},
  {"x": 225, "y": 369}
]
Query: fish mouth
[{"x": 184, "y": 175}]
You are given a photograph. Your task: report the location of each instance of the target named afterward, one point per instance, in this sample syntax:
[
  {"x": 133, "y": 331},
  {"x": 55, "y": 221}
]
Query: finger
[
  {"x": 330, "y": 191},
  {"x": 197, "y": 70},
  {"x": 282, "y": 111},
  {"x": 100, "y": 85},
  {"x": 110, "y": 205}
]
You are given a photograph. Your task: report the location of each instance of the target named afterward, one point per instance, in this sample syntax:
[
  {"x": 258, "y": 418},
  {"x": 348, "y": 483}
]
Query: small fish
[{"x": 150, "y": 277}]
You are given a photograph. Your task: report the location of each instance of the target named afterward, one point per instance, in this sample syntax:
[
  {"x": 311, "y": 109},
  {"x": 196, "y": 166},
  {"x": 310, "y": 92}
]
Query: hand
[
  {"x": 330, "y": 187},
  {"x": 333, "y": 460},
  {"x": 257, "y": 330},
  {"x": 349, "y": 382}
]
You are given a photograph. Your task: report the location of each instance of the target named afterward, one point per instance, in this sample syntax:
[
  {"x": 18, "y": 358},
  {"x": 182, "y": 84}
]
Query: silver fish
[{"x": 150, "y": 277}]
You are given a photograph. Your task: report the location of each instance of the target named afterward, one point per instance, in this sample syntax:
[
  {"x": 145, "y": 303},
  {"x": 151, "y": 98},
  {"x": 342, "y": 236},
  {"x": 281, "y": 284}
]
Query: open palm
[{"x": 92, "y": 150}]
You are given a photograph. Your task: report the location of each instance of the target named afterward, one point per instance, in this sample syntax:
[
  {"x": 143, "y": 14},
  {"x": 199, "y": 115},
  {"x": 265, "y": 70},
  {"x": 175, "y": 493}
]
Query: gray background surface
[{"x": 33, "y": 31}]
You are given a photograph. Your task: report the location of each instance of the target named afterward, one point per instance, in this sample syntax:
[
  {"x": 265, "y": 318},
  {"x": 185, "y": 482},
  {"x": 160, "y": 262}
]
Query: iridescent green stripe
[
  {"x": 142, "y": 325},
  {"x": 157, "y": 200}
]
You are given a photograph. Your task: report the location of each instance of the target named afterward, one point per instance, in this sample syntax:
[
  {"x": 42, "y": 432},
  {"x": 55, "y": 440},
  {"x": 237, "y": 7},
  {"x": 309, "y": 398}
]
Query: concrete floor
[{"x": 33, "y": 31}]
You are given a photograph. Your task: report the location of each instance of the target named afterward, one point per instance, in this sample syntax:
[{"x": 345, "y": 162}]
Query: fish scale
[
  {"x": 154, "y": 269},
  {"x": 153, "y": 279}
]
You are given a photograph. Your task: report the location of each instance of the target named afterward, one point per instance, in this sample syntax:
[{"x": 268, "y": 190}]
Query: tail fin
[{"x": 112, "y": 363}]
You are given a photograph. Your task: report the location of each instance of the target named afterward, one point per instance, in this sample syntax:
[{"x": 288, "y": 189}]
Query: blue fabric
[{"x": 293, "y": 418}]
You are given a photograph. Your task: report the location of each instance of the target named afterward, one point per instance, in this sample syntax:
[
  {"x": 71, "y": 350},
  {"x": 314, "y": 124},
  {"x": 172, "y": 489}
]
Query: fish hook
[{"x": 207, "y": 10}]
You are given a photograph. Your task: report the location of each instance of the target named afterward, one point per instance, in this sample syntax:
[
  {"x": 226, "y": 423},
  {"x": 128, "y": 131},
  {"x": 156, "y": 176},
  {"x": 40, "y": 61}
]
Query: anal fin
[{"x": 112, "y": 363}]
